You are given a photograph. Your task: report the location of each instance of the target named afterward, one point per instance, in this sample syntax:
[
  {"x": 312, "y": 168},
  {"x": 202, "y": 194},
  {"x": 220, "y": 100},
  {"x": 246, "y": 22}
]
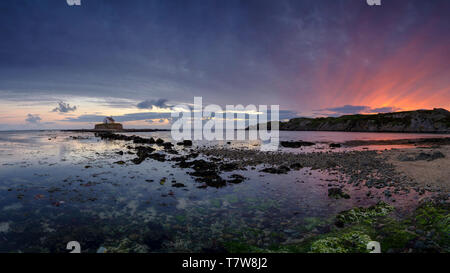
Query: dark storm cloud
[
  {"x": 384, "y": 110},
  {"x": 33, "y": 119},
  {"x": 64, "y": 108},
  {"x": 149, "y": 104},
  {"x": 347, "y": 109},
  {"x": 356, "y": 109}
]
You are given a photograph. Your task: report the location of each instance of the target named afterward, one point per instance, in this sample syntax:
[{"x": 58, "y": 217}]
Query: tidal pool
[{"x": 61, "y": 186}]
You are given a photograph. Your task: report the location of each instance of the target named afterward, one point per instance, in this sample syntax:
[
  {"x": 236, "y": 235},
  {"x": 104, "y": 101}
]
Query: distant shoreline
[
  {"x": 414, "y": 141},
  {"x": 165, "y": 130},
  {"x": 115, "y": 131},
  {"x": 436, "y": 121}
]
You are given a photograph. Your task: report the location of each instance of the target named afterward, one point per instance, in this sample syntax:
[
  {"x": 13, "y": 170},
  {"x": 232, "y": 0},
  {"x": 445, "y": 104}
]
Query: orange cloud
[{"x": 414, "y": 75}]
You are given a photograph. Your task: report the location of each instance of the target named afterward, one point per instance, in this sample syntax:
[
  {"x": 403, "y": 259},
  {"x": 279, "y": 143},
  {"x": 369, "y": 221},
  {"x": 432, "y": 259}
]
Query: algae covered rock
[
  {"x": 434, "y": 221},
  {"x": 352, "y": 242},
  {"x": 337, "y": 193},
  {"x": 360, "y": 214},
  {"x": 125, "y": 246}
]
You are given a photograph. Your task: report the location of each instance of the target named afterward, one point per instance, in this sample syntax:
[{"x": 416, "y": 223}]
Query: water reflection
[{"x": 60, "y": 186}]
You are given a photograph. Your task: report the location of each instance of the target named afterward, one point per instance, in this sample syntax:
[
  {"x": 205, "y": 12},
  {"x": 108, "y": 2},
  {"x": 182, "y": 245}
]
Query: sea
[{"x": 60, "y": 186}]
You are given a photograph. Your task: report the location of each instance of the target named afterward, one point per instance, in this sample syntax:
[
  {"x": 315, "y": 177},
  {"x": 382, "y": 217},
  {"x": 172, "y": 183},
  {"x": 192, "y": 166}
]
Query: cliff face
[{"x": 423, "y": 121}]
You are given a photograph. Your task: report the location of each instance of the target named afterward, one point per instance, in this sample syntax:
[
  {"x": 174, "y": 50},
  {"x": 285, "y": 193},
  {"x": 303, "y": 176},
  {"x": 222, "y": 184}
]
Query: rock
[
  {"x": 167, "y": 145},
  {"x": 236, "y": 179},
  {"x": 387, "y": 193},
  {"x": 185, "y": 143},
  {"x": 335, "y": 145},
  {"x": 295, "y": 144},
  {"x": 178, "y": 185},
  {"x": 159, "y": 141},
  {"x": 120, "y": 162},
  {"x": 359, "y": 214},
  {"x": 279, "y": 170},
  {"x": 421, "y": 156},
  {"x": 206, "y": 172},
  {"x": 101, "y": 250},
  {"x": 158, "y": 157},
  {"x": 142, "y": 153},
  {"x": 337, "y": 193},
  {"x": 138, "y": 160},
  {"x": 437, "y": 155},
  {"x": 162, "y": 181},
  {"x": 228, "y": 167},
  {"x": 140, "y": 140},
  {"x": 210, "y": 178},
  {"x": 296, "y": 166},
  {"x": 351, "y": 242}
]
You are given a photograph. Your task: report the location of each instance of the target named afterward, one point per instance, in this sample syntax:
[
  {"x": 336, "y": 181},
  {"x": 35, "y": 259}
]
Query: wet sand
[{"x": 429, "y": 174}]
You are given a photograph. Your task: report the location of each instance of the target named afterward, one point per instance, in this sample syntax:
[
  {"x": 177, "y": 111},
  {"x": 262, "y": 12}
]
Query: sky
[{"x": 67, "y": 66}]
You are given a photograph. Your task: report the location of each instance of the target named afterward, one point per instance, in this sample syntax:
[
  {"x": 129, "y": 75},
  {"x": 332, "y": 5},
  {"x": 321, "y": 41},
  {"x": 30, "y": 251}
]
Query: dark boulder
[
  {"x": 337, "y": 193},
  {"x": 158, "y": 157},
  {"x": 228, "y": 167},
  {"x": 296, "y": 166},
  {"x": 279, "y": 170},
  {"x": 236, "y": 179},
  {"x": 295, "y": 144},
  {"x": 167, "y": 145},
  {"x": 185, "y": 143}
]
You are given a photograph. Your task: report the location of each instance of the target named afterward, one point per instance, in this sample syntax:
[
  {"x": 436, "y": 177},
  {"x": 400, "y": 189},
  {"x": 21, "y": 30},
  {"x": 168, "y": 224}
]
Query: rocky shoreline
[
  {"x": 362, "y": 169},
  {"x": 368, "y": 168},
  {"x": 418, "y": 121},
  {"x": 363, "y": 196}
]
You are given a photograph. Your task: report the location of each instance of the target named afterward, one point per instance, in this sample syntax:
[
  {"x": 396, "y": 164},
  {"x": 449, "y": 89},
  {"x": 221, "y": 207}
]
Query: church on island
[{"x": 108, "y": 124}]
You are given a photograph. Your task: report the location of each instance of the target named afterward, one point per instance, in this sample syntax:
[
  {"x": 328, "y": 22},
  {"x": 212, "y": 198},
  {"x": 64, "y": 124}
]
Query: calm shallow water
[{"x": 57, "y": 189}]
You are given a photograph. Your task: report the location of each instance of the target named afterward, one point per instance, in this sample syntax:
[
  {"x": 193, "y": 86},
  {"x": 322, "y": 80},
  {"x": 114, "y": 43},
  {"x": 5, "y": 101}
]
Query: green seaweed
[
  {"x": 351, "y": 242},
  {"x": 366, "y": 224},
  {"x": 435, "y": 220},
  {"x": 394, "y": 235},
  {"x": 359, "y": 214}
]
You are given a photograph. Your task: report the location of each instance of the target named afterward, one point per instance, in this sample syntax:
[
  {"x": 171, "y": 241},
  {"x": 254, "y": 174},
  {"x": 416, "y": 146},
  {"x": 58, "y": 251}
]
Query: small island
[{"x": 109, "y": 124}]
